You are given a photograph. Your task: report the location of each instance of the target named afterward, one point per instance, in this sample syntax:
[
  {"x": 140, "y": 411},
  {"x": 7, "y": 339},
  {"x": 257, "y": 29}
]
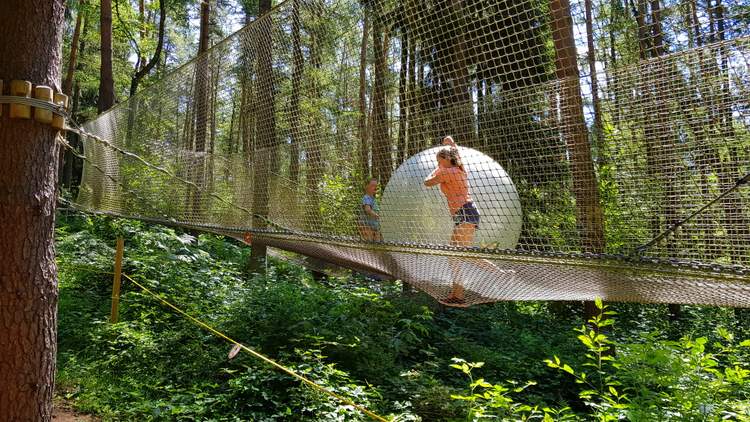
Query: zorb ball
[{"x": 413, "y": 212}]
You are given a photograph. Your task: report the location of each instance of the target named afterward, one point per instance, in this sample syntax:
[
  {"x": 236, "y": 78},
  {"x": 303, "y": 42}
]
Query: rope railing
[{"x": 276, "y": 129}]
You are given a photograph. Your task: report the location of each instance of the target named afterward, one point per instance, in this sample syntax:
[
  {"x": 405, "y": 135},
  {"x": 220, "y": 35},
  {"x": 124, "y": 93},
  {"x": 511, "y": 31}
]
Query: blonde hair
[{"x": 451, "y": 154}]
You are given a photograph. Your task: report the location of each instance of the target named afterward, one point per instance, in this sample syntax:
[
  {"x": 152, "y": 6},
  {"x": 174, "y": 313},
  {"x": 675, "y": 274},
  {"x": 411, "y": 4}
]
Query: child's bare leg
[{"x": 463, "y": 235}]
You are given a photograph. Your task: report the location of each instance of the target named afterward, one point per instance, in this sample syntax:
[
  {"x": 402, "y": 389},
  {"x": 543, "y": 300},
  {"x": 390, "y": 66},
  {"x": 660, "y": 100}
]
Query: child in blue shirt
[{"x": 369, "y": 214}]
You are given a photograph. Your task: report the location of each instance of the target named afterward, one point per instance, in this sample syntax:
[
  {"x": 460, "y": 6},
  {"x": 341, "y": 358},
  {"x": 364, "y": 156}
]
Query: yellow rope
[
  {"x": 242, "y": 346},
  {"x": 258, "y": 355}
]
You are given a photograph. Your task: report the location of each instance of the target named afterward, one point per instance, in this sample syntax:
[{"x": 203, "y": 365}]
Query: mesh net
[{"x": 586, "y": 131}]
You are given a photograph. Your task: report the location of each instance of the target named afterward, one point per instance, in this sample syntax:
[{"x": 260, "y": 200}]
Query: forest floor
[{"x": 62, "y": 411}]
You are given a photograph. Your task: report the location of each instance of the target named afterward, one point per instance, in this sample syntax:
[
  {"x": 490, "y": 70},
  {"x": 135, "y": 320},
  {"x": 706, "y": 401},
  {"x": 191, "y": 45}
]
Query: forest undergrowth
[{"x": 397, "y": 354}]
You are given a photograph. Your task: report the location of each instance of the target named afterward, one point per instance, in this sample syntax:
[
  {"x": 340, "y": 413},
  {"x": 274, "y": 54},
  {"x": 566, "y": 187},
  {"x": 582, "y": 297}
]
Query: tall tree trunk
[
  {"x": 643, "y": 39},
  {"x": 314, "y": 171},
  {"x": 266, "y": 154},
  {"x": 413, "y": 136},
  {"x": 106, "y": 78},
  {"x": 613, "y": 81},
  {"x": 142, "y": 34},
  {"x": 297, "y": 72},
  {"x": 589, "y": 215},
  {"x": 142, "y": 68},
  {"x": 197, "y": 163},
  {"x": 145, "y": 68},
  {"x": 67, "y": 87},
  {"x": 656, "y": 30},
  {"x": 381, "y": 142},
  {"x": 28, "y": 173},
  {"x": 403, "y": 102},
  {"x": 202, "y": 78},
  {"x": 659, "y": 159},
  {"x": 597, "y": 135},
  {"x": 736, "y": 219},
  {"x": 77, "y": 46},
  {"x": 364, "y": 145},
  {"x": 460, "y": 104}
]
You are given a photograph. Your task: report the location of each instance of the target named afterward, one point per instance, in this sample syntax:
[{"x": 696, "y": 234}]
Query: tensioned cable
[
  {"x": 676, "y": 226},
  {"x": 36, "y": 103}
]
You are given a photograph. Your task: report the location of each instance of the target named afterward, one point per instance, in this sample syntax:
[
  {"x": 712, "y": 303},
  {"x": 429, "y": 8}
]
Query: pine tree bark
[
  {"x": 585, "y": 188},
  {"x": 106, "y": 78},
  {"x": 28, "y": 173}
]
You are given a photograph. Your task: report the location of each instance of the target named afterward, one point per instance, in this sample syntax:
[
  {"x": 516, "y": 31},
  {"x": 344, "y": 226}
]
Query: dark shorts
[{"x": 468, "y": 213}]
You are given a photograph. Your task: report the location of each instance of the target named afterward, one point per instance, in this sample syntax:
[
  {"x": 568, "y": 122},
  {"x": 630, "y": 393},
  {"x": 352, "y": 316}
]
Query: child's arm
[
  {"x": 433, "y": 179},
  {"x": 369, "y": 211}
]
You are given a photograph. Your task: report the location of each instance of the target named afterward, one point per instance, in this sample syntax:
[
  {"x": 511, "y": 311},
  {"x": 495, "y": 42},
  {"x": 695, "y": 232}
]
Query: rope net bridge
[{"x": 606, "y": 146}]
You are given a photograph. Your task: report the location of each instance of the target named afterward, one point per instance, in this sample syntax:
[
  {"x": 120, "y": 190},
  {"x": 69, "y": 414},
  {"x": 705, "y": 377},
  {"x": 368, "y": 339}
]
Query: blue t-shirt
[{"x": 364, "y": 217}]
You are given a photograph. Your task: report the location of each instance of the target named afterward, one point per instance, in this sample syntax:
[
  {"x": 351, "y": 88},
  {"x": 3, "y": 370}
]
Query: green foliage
[
  {"x": 488, "y": 400},
  {"x": 661, "y": 379},
  {"x": 390, "y": 352}
]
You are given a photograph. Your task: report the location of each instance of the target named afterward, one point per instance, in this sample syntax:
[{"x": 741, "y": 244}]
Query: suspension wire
[{"x": 674, "y": 227}]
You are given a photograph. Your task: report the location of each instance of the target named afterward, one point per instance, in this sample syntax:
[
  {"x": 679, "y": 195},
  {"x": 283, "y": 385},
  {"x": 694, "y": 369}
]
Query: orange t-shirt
[{"x": 454, "y": 183}]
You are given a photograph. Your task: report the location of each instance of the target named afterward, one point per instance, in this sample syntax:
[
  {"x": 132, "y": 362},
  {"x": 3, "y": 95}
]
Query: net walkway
[{"x": 583, "y": 141}]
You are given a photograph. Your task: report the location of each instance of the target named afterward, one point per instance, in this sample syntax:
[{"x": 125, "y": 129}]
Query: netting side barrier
[{"x": 273, "y": 121}]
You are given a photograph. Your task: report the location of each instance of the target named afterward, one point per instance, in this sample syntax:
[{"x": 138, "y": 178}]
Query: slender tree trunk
[
  {"x": 656, "y": 30},
  {"x": 381, "y": 142},
  {"x": 77, "y": 46},
  {"x": 613, "y": 81},
  {"x": 197, "y": 162},
  {"x": 106, "y": 78},
  {"x": 597, "y": 135},
  {"x": 314, "y": 150},
  {"x": 364, "y": 145},
  {"x": 142, "y": 20},
  {"x": 738, "y": 227},
  {"x": 201, "y": 81},
  {"x": 294, "y": 118},
  {"x": 403, "y": 103},
  {"x": 73, "y": 60},
  {"x": 589, "y": 215},
  {"x": 460, "y": 104},
  {"x": 414, "y": 133},
  {"x": 643, "y": 39},
  {"x": 28, "y": 173},
  {"x": 266, "y": 154},
  {"x": 145, "y": 68}
]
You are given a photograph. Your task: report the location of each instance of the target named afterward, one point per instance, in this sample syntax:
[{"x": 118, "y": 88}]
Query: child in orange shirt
[{"x": 451, "y": 175}]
